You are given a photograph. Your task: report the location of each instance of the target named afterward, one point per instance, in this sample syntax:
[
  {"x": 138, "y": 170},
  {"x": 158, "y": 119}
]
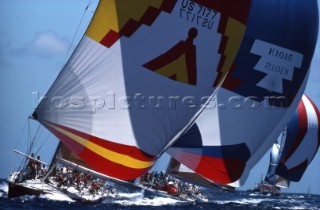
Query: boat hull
[{"x": 18, "y": 189}]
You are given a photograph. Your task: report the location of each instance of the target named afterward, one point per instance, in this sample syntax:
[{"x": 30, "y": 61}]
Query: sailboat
[
  {"x": 299, "y": 143},
  {"x": 144, "y": 72},
  {"x": 267, "y": 185},
  {"x": 181, "y": 171},
  {"x": 67, "y": 175},
  {"x": 178, "y": 181}
]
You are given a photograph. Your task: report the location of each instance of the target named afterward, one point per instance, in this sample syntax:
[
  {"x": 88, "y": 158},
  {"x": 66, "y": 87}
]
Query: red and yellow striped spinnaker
[{"x": 116, "y": 160}]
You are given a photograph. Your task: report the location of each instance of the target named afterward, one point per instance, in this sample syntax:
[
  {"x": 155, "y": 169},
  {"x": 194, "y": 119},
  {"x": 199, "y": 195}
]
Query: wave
[
  {"x": 157, "y": 201},
  {"x": 131, "y": 195},
  {"x": 3, "y": 188},
  {"x": 56, "y": 197},
  {"x": 142, "y": 198},
  {"x": 241, "y": 201},
  {"x": 146, "y": 199}
]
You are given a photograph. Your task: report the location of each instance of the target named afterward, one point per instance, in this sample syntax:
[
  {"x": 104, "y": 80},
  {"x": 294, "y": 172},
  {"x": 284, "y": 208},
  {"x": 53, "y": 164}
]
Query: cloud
[{"x": 45, "y": 45}]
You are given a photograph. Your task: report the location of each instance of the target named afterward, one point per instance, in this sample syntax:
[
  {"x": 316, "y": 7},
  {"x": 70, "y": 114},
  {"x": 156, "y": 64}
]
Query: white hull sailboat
[{"x": 71, "y": 179}]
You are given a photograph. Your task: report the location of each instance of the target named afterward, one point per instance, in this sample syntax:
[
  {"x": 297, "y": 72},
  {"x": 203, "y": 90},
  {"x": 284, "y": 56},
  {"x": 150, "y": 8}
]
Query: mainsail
[
  {"x": 143, "y": 70},
  {"x": 301, "y": 144},
  {"x": 274, "y": 159},
  {"x": 275, "y": 153}
]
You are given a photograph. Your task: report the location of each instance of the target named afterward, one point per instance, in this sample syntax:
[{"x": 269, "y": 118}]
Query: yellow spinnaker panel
[{"x": 114, "y": 14}]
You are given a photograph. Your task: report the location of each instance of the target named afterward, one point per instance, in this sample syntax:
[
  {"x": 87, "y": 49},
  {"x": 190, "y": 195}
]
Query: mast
[{"x": 52, "y": 162}]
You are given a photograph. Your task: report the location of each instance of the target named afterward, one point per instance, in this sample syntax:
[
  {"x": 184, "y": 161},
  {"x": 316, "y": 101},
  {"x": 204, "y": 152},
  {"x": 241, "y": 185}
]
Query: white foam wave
[
  {"x": 4, "y": 187},
  {"x": 296, "y": 196},
  {"x": 139, "y": 199},
  {"x": 286, "y": 203},
  {"x": 296, "y": 207},
  {"x": 57, "y": 197},
  {"x": 157, "y": 201},
  {"x": 241, "y": 201},
  {"x": 131, "y": 195},
  {"x": 26, "y": 198}
]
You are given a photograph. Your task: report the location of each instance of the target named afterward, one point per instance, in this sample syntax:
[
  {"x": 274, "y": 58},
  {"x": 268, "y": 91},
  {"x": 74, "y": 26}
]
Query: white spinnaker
[{"x": 107, "y": 93}]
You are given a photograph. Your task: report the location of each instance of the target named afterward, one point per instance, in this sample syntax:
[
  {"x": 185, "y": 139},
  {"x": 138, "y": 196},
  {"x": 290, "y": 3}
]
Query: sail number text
[{"x": 197, "y": 14}]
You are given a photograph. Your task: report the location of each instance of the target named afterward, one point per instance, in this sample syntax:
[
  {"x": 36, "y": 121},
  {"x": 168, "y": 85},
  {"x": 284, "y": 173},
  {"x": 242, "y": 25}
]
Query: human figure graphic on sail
[{"x": 179, "y": 62}]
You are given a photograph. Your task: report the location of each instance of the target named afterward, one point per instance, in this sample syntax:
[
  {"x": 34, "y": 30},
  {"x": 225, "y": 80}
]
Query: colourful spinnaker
[
  {"x": 302, "y": 141},
  {"x": 258, "y": 96},
  {"x": 144, "y": 69}
]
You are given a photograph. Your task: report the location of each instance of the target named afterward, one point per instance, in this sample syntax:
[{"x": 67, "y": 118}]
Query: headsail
[
  {"x": 258, "y": 96},
  {"x": 302, "y": 141}
]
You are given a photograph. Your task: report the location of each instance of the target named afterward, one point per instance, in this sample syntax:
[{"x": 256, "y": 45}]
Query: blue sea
[{"x": 147, "y": 200}]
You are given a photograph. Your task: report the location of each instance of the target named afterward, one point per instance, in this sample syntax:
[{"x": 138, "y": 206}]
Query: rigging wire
[
  {"x": 29, "y": 136},
  {"x": 21, "y": 133},
  {"x": 32, "y": 143},
  {"x": 76, "y": 32},
  {"x": 37, "y": 138},
  {"x": 45, "y": 141},
  {"x": 19, "y": 141},
  {"x": 24, "y": 160}
]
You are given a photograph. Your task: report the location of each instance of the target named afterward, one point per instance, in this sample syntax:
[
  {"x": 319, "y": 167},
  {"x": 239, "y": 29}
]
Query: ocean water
[{"x": 147, "y": 200}]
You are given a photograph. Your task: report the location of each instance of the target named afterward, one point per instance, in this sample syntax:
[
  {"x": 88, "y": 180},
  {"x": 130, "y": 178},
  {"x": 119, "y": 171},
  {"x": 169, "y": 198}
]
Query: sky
[{"x": 36, "y": 38}]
